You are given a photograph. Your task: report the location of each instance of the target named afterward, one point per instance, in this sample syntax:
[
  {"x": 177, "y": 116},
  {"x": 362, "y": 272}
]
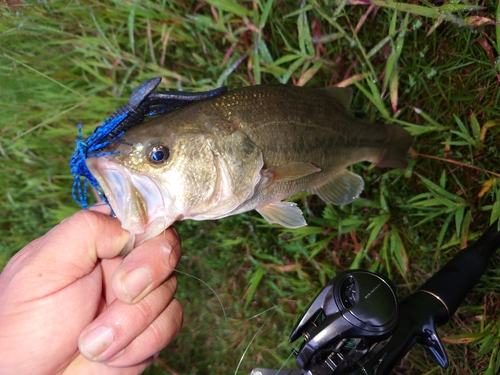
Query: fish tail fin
[{"x": 398, "y": 143}]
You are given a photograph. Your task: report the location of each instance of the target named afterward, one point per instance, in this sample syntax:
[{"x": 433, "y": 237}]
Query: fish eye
[{"x": 158, "y": 154}]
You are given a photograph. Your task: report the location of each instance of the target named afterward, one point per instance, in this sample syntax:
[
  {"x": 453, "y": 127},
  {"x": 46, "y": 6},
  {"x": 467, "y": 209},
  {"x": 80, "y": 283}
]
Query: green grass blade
[
  {"x": 305, "y": 39},
  {"x": 231, "y": 7}
]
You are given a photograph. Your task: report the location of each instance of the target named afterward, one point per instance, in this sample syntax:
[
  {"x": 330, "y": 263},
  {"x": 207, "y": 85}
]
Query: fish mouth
[{"x": 139, "y": 202}]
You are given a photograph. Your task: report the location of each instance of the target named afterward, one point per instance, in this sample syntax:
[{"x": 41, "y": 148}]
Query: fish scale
[{"x": 328, "y": 126}]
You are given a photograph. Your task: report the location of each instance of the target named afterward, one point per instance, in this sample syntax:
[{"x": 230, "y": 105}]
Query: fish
[{"x": 247, "y": 149}]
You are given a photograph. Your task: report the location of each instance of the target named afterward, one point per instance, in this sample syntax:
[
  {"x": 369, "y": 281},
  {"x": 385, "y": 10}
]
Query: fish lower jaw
[
  {"x": 149, "y": 226},
  {"x": 152, "y": 229},
  {"x": 146, "y": 217}
]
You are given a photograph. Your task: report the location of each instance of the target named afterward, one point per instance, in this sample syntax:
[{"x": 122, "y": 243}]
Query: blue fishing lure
[{"x": 144, "y": 102}]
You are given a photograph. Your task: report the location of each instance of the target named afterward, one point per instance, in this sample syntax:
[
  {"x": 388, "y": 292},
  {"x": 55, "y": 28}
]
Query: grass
[{"x": 433, "y": 69}]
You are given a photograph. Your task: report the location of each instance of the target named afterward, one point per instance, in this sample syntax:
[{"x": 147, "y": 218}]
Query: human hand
[{"x": 68, "y": 305}]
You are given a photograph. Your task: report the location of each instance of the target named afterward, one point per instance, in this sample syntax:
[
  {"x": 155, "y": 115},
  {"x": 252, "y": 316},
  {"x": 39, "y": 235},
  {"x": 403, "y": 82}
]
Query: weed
[{"x": 433, "y": 69}]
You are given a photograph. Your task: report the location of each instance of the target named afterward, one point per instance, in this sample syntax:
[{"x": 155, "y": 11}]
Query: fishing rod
[{"x": 356, "y": 326}]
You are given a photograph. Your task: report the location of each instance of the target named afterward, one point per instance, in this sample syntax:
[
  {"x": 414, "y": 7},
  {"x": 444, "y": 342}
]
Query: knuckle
[
  {"x": 146, "y": 309},
  {"x": 176, "y": 313},
  {"x": 171, "y": 285},
  {"x": 83, "y": 220}
]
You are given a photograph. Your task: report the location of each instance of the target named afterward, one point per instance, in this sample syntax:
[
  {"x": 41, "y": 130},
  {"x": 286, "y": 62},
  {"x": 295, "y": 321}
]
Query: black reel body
[{"x": 352, "y": 313}]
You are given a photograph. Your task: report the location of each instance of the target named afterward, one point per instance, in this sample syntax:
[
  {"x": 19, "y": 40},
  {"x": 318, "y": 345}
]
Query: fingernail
[
  {"x": 136, "y": 282},
  {"x": 93, "y": 343}
]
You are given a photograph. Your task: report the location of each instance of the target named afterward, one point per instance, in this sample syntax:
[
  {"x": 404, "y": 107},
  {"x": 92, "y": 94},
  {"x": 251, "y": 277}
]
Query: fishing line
[
  {"x": 207, "y": 285},
  {"x": 246, "y": 349},
  {"x": 175, "y": 269},
  {"x": 255, "y": 335},
  {"x": 288, "y": 359},
  {"x": 275, "y": 308},
  {"x": 263, "y": 312}
]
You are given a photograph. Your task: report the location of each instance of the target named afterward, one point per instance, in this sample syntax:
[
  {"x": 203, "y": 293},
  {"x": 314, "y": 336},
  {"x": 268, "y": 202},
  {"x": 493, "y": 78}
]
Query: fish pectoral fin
[
  {"x": 289, "y": 171},
  {"x": 286, "y": 214},
  {"x": 341, "y": 189}
]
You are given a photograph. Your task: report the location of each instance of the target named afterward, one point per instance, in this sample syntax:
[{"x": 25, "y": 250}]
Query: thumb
[
  {"x": 88, "y": 235},
  {"x": 74, "y": 246}
]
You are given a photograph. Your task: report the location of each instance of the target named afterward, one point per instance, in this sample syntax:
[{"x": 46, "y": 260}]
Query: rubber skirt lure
[{"x": 143, "y": 103}]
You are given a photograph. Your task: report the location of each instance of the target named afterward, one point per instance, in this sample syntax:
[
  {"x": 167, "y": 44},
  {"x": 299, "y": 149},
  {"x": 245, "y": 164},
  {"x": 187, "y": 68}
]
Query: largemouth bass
[{"x": 246, "y": 149}]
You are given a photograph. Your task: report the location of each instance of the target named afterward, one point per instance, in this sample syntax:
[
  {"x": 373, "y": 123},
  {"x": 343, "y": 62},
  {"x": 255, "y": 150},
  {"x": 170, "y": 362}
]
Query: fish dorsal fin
[
  {"x": 341, "y": 189},
  {"x": 289, "y": 171},
  {"x": 283, "y": 213},
  {"x": 342, "y": 94}
]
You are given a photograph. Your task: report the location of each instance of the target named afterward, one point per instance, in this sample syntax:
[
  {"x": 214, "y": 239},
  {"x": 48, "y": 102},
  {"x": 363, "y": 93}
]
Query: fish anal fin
[
  {"x": 286, "y": 214},
  {"x": 341, "y": 189},
  {"x": 290, "y": 171}
]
